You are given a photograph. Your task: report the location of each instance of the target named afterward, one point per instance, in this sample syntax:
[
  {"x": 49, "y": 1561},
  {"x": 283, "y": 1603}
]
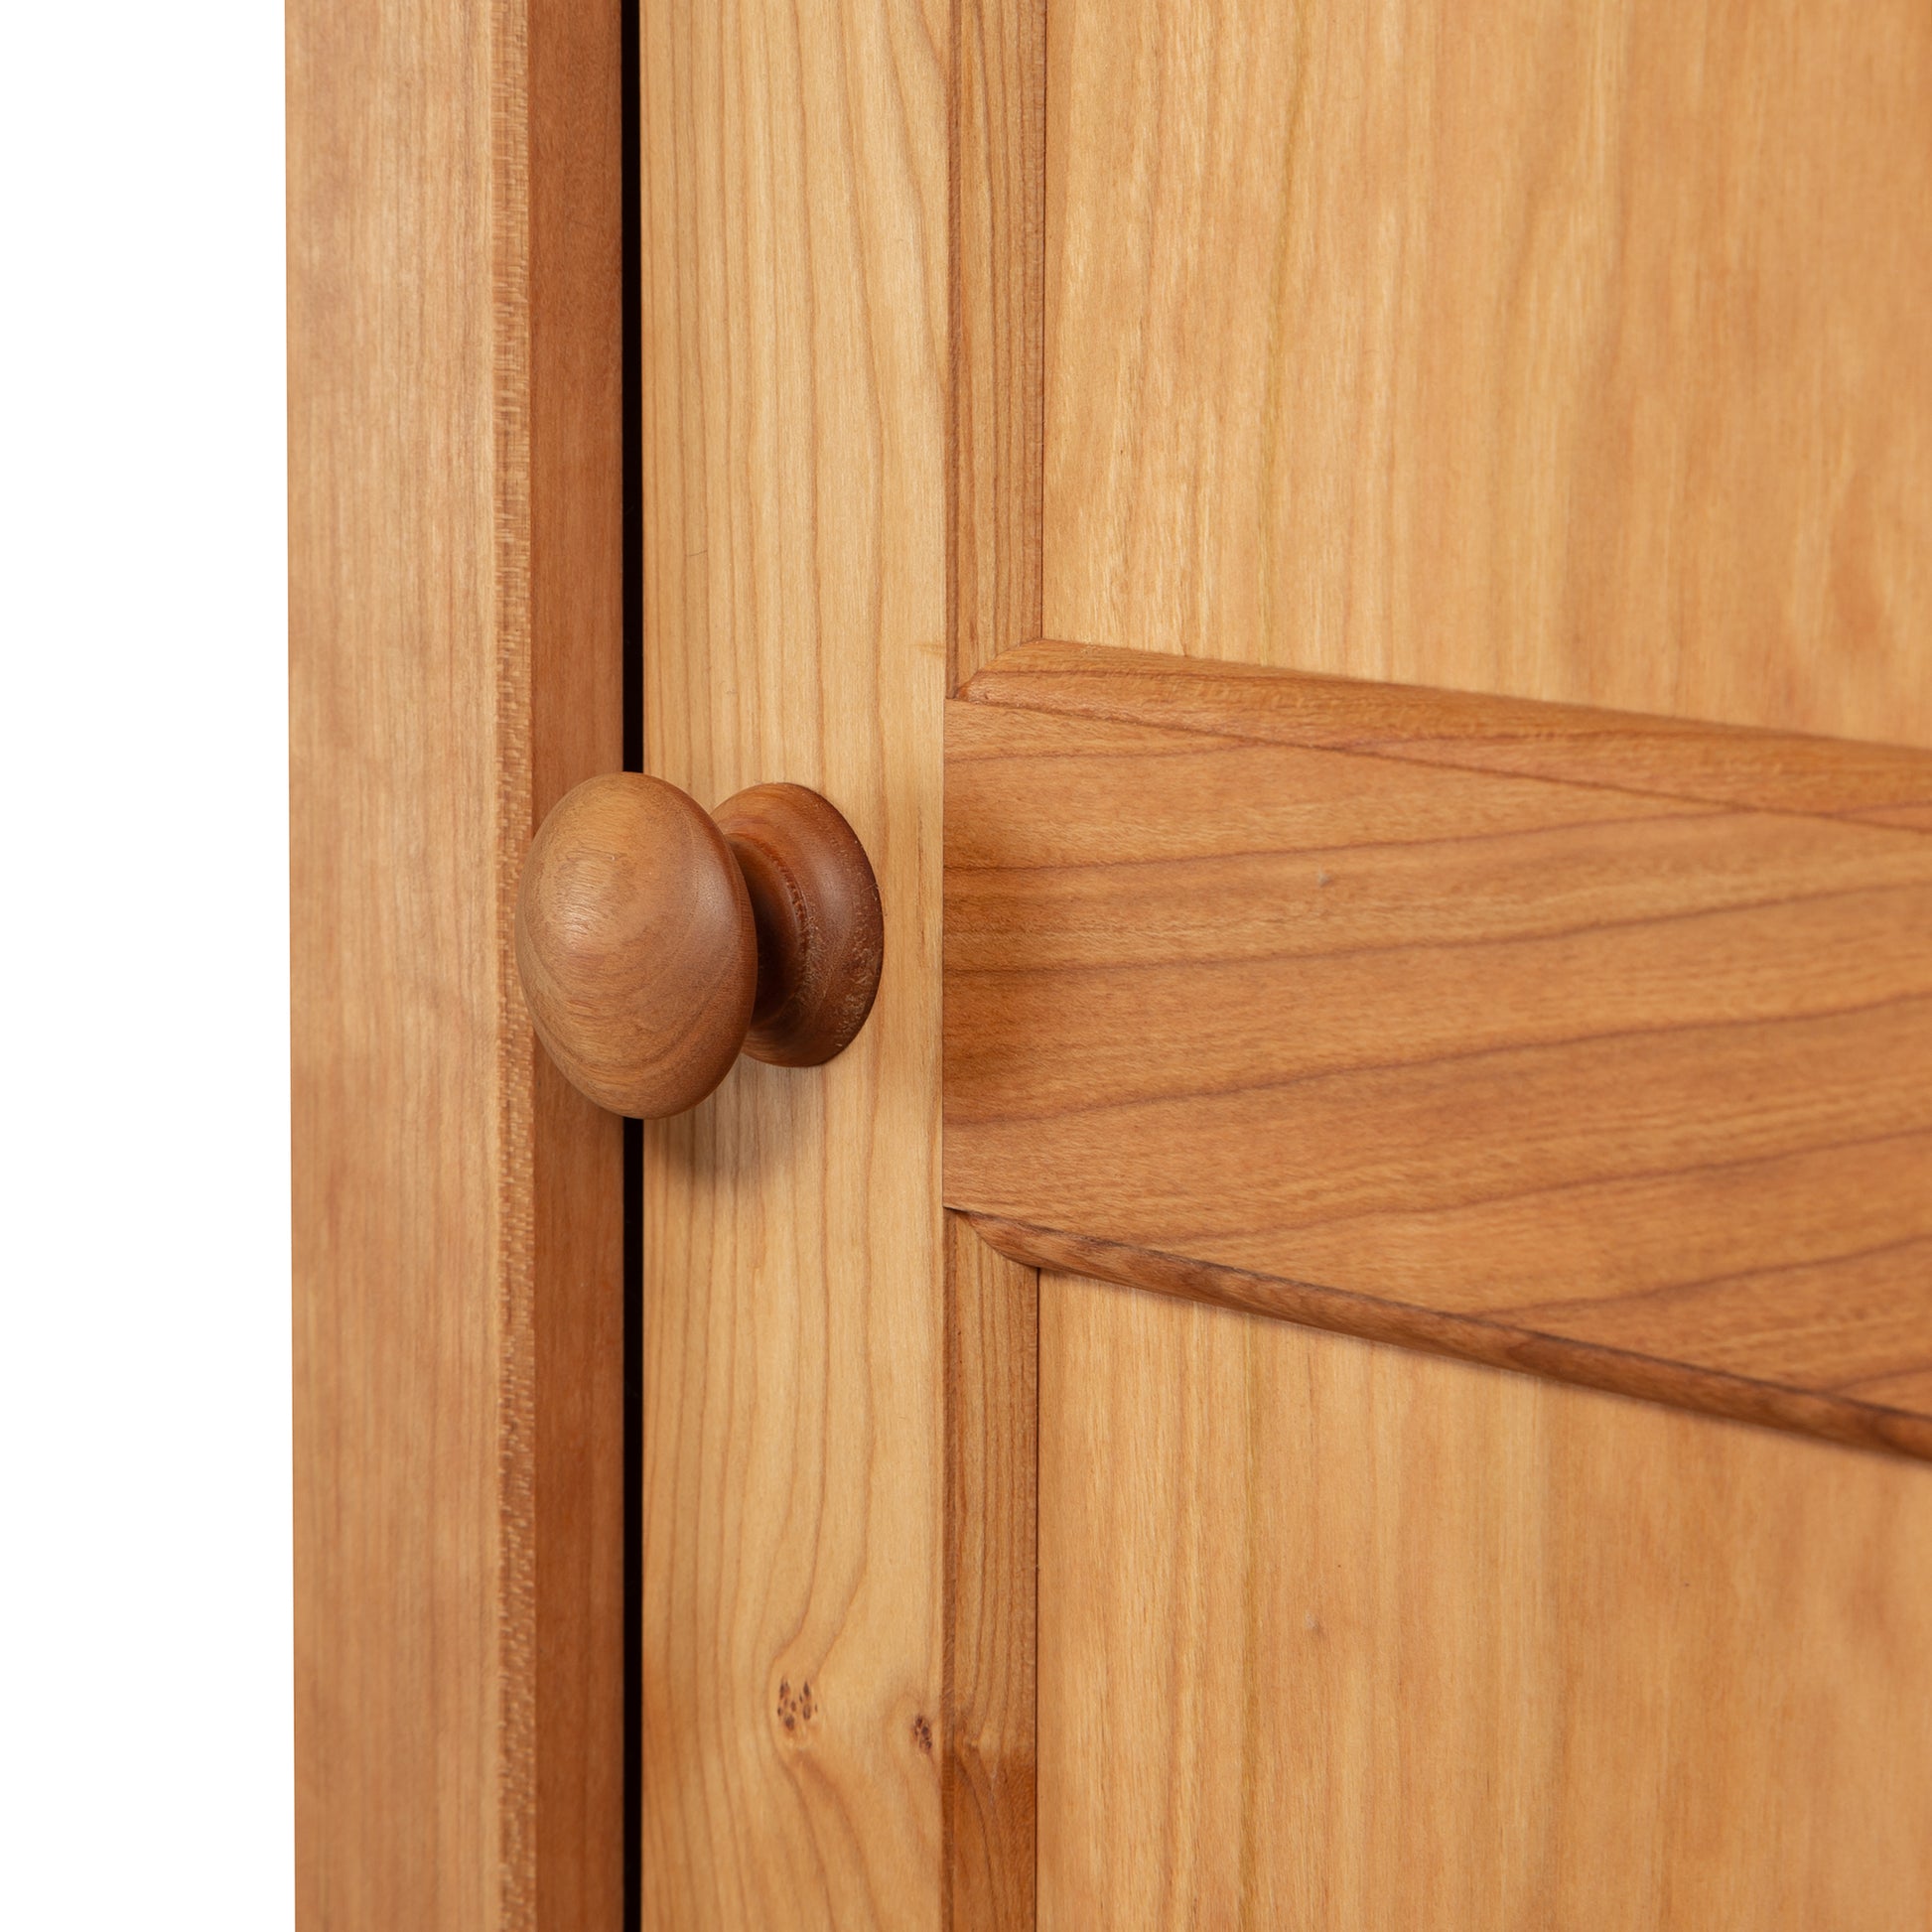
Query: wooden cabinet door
[
  {"x": 1038, "y": 1515},
  {"x": 1557, "y": 354}
]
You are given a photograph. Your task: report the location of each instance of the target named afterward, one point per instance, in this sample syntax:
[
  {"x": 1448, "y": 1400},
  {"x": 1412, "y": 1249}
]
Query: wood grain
[
  {"x": 820, "y": 930},
  {"x": 454, "y": 602},
  {"x": 1665, "y": 757},
  {"x": 995, "y": 480},
  {"x": 1570, "y": 353},
  {"x": 1630, "y": 1088},
  {"x": 655, "y": 940},
  {"x": 568, "y": 295},
  {"x": 796, "y": 324},
  {"x": 634, "y": 944},
  {"x": 992, "y": 1562},
  {"x": 1335, "y": 1637},
  {"x": 1567, "y": 353},
  {"x": 997, "y": 477}
]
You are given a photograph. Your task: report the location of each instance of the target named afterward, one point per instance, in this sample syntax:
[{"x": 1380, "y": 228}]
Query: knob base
[{"x": 821, "y": 934}]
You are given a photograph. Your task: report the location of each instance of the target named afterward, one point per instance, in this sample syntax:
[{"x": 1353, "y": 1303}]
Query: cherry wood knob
[{"x": 656, "y": 941}]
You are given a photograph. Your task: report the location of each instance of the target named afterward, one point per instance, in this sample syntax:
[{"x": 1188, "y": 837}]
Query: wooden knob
[{"x": 656, "y": 941}]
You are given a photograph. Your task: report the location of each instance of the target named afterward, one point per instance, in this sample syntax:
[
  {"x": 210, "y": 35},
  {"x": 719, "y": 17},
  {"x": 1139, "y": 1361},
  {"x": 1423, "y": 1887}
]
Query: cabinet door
[{"x": 1564, "y": 353}]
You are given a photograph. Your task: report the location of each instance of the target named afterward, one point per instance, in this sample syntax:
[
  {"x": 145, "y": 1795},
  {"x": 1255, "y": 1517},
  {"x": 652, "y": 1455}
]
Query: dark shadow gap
[
  {"x": 634, "y": 1131},
  {"x": 633, "y": 1519}
]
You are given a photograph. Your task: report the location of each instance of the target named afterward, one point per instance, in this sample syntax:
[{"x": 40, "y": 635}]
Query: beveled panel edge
[
  {"x": 1495, "y": 1345},
  {"x": 1720, "y": 764}
]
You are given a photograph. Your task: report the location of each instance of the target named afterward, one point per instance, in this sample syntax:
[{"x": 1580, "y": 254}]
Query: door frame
[{"x": 455, "y": 321}]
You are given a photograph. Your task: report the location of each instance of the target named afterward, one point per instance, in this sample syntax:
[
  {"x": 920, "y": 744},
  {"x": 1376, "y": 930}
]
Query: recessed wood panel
[
  {"x": 1335, "y": 1637},
  {"x": 1569, "y": 352}
]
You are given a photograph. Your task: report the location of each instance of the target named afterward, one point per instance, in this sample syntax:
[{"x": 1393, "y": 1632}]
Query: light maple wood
[
  {"x": 795, "y": 624},
  {"x": 793, "y": 394},
  {"x": 1564, "y": 353},
  {"x": 455, "y": 603},
  {"x": 1337, "y": 1636},
  {"x": 998, "y": 129},
  {"x": 804, "y": 1604},
  {"x": 1626, "y": 1087}
]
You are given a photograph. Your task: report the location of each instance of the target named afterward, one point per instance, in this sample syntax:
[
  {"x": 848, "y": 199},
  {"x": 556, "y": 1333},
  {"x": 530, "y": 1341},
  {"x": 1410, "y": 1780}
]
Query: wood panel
[
  {"x": 796, "y": 315},
  {"x": 455, "y": 375},
  {"x": 1627, "y": 1088},
  {"x": 1568, "y": 353},
  {"x": 995, "y": 479},
  {"x": 1335, "y": 1637}
]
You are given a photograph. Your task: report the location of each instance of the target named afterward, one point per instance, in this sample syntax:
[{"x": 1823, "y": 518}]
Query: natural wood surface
[
  {"x": 999, "y": 321},
  {"x": 634, "y": 945},
  {"x": 1336, "y": 1636},
  {"x": 821, "y": 929},
  {"x": 567, "y": 294},
  {"x": 655, "y": 941},
  {"x": 793, "y": 394},
  {"x": 1672, "y": 757},
  {"x": 995, "y": 479},
  {"x": 992, "y": 1562},
  {"x": 1897, "y": 1423},
  {"x": 1627, "y": 1088},
  {"x": 456, "y": 548},
  {"x": 1570, "y": 353},
  {"x": 1566, "y": 352}
]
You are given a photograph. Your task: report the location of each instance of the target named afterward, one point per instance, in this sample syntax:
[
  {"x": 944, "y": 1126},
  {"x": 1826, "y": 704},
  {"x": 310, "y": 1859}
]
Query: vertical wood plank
[
  {"x": 998, "y": 399},
  {"x": 998, "y": 179},
  {"x": 992, "y": 1572},
  {"x": 455, "y": 592},
  {"x": 795, "y": 322}
]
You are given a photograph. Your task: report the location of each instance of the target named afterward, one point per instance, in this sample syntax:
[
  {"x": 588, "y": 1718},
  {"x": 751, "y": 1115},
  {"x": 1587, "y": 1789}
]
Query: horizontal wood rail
[{"x": 1574, "y": 1041}]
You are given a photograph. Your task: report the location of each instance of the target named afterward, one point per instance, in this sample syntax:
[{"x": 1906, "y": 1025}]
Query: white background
[{"x": 145, "y": 1677}]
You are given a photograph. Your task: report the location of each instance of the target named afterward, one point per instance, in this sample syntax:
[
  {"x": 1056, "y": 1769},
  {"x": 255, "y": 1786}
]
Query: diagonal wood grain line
[
  {"x": 1658, "y": 756},
  {"x": 1831, "y": 1414}
]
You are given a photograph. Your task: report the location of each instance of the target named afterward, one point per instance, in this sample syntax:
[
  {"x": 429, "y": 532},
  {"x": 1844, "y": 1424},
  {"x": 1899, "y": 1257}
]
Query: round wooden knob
[{"x": 656, "y": 941}]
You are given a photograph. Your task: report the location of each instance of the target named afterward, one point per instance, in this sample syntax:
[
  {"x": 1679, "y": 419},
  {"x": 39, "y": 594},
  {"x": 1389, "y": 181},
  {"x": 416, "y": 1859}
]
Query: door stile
[
  {"x": 996, "y": 478},
  {"x": 793, "y": 287}
]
